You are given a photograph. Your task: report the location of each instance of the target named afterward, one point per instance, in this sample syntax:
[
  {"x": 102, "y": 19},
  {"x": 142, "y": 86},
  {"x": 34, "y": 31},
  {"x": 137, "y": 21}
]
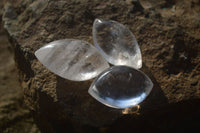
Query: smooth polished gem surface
[
  {"x": 72, "y": 59},
  {"x": 116, "y": 43},
  {"x": 121, "y": 87}
]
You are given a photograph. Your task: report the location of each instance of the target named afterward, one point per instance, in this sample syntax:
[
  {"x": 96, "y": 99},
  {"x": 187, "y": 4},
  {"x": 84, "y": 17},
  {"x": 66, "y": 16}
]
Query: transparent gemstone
[
  {"x": 72, "y": 59},
  {"x": 116, "y": 43},
  {"x": 121, "y": 87}
]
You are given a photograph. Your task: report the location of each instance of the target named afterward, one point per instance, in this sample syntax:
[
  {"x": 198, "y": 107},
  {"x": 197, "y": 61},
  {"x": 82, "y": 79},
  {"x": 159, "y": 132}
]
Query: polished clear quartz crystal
[
  {"x": 116, "y": 43},
  {"x": 121, "y": 87},
  {"x": 72, "y": 59}
]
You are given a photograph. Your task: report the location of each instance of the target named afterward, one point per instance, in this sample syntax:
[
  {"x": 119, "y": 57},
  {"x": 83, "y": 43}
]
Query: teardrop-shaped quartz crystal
[
  {"x": 72, "y": 59},
  {"x": 121, "y": 87},
  {"x": 116, "y": 43}
]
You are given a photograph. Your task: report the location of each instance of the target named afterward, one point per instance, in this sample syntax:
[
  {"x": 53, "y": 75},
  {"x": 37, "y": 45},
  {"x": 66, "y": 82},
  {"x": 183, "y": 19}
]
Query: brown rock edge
[{"x": 59, "y": 105}]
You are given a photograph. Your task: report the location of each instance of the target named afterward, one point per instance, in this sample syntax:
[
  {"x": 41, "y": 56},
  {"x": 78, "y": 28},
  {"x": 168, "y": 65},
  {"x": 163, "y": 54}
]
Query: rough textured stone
[
  {"x": 14, "y": 115},
  {"x": 60, "y": 105}
]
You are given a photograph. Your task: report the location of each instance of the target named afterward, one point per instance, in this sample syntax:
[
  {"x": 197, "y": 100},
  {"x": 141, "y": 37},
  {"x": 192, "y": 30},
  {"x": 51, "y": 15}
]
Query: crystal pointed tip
[
  {"x": 36, "y": 53},
  {"x": 97, "y": 20}
]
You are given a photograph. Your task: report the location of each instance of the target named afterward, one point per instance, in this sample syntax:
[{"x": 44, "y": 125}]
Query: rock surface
[
  {"x": 14, "y": 115},
  {"x": 169, "y": 38}
]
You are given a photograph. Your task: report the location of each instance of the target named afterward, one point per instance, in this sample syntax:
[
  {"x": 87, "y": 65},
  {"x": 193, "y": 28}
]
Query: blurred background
[{"x": 14, "y": 115}]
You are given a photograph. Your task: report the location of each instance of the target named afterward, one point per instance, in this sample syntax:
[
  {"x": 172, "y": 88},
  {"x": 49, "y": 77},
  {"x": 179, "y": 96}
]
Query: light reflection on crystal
[
  {"x": 121, "y": 87},
  {"x": 116, "y": 43},
  {"x": 72, "y": 59},
  {"x": 131, "y": 110}
]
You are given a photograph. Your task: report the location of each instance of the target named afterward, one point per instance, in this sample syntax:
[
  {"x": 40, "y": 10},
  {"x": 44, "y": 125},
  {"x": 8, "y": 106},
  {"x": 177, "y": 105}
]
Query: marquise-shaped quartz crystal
[
  {"x": 72, "y": 59},
  {"x": 121, "y": 87},
  {"x": 116, "y": 43}
]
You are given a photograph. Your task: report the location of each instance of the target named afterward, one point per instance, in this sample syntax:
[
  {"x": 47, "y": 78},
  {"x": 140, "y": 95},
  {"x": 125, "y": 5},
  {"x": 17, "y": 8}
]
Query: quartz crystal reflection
[
  {"x": 72, "y": 59},
  {"x": 121, "y": 87},
  {"x": 116, "y": 43}
]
